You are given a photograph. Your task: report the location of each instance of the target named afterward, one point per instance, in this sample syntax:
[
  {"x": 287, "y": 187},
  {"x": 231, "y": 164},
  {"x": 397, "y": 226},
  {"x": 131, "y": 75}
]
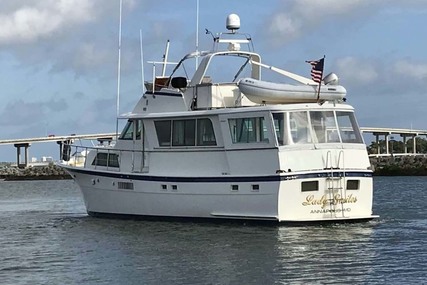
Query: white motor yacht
[{"x": 238, "y": 148}]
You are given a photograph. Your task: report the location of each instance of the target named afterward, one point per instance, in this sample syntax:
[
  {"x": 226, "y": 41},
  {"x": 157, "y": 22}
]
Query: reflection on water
[
  {"x": 46, "y": 238},
  {"x": 335, "y": 253}
]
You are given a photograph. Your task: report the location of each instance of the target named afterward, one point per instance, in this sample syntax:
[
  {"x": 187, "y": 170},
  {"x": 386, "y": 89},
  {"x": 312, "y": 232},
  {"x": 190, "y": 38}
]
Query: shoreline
[{"x": 42, "y": 177}]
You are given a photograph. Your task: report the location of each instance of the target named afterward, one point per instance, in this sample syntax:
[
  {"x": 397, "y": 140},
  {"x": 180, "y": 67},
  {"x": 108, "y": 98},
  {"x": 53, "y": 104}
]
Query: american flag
[{"x": 316, "y": 69}]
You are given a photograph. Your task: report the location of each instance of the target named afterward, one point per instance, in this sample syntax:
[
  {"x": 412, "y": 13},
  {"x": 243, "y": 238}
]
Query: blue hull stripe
[{"x": 225, "y": 179}]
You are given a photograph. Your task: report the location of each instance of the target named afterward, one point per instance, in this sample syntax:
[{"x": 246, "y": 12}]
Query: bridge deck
[
  {"x": 58, "y": 138},
  {"x": 383, "y": 131}
]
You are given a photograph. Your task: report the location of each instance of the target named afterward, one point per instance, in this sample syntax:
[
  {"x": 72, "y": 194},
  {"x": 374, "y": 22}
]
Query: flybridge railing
[{"x": 105, "y": 158}]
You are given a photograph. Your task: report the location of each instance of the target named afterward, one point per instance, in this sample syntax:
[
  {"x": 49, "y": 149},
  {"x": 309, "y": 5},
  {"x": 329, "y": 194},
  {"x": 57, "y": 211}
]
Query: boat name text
[{"x": 324, "y": 201}]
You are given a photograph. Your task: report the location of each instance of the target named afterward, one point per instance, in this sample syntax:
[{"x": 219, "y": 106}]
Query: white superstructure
[{"x": 201, "y": 148}]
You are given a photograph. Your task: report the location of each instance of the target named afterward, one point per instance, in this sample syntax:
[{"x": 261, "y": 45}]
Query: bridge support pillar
[
  {"x": 377, "y": 136},
  {"x": 414, "y": 141},
  {"x": 405, "y": 147},
  {"x": 18, "y": 154},
  {"x": 387, "y": 142}
]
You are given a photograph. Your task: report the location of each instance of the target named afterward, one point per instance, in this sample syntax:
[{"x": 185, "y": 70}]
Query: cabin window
[
  {"x": 131, "y": 127},
  {"x": 205, "y": 132},
  {"x": 280, "y": 126},
  {"x": 106, "y": 159},
  {"x": 184, "y": 132},
  {"x": 138, "y": 128},
  {"x": 163, "y": 130},
  {"x": 127, "y": 133},
  {"x": 298, "y": 126},
  {"x": 113, "y": 160},
  {"x": 248, "y": 130},
  {"x": 324, "y": 127},
  {"x": 189, "y": 132},
  {"x": 348, "y": 128},
  {"x": 100, "y": 159}
]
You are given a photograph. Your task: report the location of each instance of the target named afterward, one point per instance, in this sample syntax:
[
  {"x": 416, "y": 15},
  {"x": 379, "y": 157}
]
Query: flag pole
[{"x": 320, "y": 81}]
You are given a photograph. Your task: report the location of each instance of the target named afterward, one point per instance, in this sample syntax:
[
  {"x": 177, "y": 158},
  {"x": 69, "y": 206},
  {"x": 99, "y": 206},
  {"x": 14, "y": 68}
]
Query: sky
[{"x": 59, "y": 58}]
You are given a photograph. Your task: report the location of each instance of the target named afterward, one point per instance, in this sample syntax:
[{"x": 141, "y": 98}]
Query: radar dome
[{"x": 233, "y": 22}]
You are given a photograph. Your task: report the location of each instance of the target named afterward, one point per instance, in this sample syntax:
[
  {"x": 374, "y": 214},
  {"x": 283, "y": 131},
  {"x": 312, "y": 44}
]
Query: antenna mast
[
  {"x": 165, "y": 58},
  {"x": 142, "y": 62},
  {"x": 197, "y": 33},
  {"x": 118, "y": 73}
]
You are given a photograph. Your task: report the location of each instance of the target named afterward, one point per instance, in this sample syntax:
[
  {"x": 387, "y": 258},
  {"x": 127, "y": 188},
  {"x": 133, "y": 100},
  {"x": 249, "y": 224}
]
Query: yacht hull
[{"x": 268, "y": 198}]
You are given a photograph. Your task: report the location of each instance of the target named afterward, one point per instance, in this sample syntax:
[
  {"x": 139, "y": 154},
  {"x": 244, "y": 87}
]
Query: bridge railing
[{"x": 105, "y": 158}]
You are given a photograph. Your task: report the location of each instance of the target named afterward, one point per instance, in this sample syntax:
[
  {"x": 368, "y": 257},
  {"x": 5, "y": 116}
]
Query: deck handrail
[{"x": 78, "y": 157}]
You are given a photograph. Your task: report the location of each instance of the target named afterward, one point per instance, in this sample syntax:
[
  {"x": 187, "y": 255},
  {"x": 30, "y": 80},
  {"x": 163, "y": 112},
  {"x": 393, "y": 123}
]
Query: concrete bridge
[
  {"x": 60, "y": 140},
  {"x": 388, "y": 132}
]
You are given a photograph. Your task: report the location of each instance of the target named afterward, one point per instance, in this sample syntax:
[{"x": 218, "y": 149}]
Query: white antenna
[
  {"x": 197, "y": 33},
  {"x": 118, "y": 73},
  {"x": 142, "y": 62},
  {"x": 165, "y": 58}
]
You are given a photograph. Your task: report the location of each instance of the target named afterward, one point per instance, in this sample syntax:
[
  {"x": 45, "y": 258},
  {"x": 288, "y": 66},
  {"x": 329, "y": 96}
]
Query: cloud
[
  {"x": 408, "y": 69},
  {"x": 21, "y": 113},
  {"x": 43, "y": 19},
  {"x": 368, "y": 70},
  {"x": 401, "y": 84},
  {"x": 33, "y": 20},
  {"x": 56, "y": 105},
  {"x": 89, "y": 55},
  {"x": 79, "y": 95},
  {"x": 95, "y": 116},
  {"x": 358, "y": 71},
  {"x": 297, "y": 17},
  {"x": 64, "y": 35}
]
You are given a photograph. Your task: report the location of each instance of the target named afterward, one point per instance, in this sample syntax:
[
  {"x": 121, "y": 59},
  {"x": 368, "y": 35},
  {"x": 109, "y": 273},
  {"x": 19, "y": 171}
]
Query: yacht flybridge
[{"x": 231, "y": 148}]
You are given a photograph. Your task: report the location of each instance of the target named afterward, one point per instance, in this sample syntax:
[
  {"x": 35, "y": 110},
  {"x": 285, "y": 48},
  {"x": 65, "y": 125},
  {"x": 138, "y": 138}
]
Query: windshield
[{"x": 318, "y": 127}]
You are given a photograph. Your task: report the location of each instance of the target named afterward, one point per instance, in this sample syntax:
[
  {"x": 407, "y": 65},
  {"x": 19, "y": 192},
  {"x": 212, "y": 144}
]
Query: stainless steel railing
[{"x": 105, "y": 158}]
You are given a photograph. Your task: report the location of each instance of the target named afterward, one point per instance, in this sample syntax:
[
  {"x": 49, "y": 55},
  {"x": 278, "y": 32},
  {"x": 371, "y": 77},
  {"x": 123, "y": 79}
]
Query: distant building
[{"x": 47, "y": 159}]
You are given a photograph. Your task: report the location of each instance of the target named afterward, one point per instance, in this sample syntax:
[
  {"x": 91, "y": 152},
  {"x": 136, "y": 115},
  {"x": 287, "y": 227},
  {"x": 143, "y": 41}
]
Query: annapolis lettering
[{"x": 323, "y": 211}]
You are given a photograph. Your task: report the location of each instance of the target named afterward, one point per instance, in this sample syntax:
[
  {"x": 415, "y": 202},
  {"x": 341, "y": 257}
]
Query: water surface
[{"x": 47, "y": 238}]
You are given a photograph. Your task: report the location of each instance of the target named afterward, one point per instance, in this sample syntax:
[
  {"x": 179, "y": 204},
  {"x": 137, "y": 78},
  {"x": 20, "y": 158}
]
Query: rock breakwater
[
  {"x": 410, "y": 165},
  {"x": 46, "y": 172}
]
